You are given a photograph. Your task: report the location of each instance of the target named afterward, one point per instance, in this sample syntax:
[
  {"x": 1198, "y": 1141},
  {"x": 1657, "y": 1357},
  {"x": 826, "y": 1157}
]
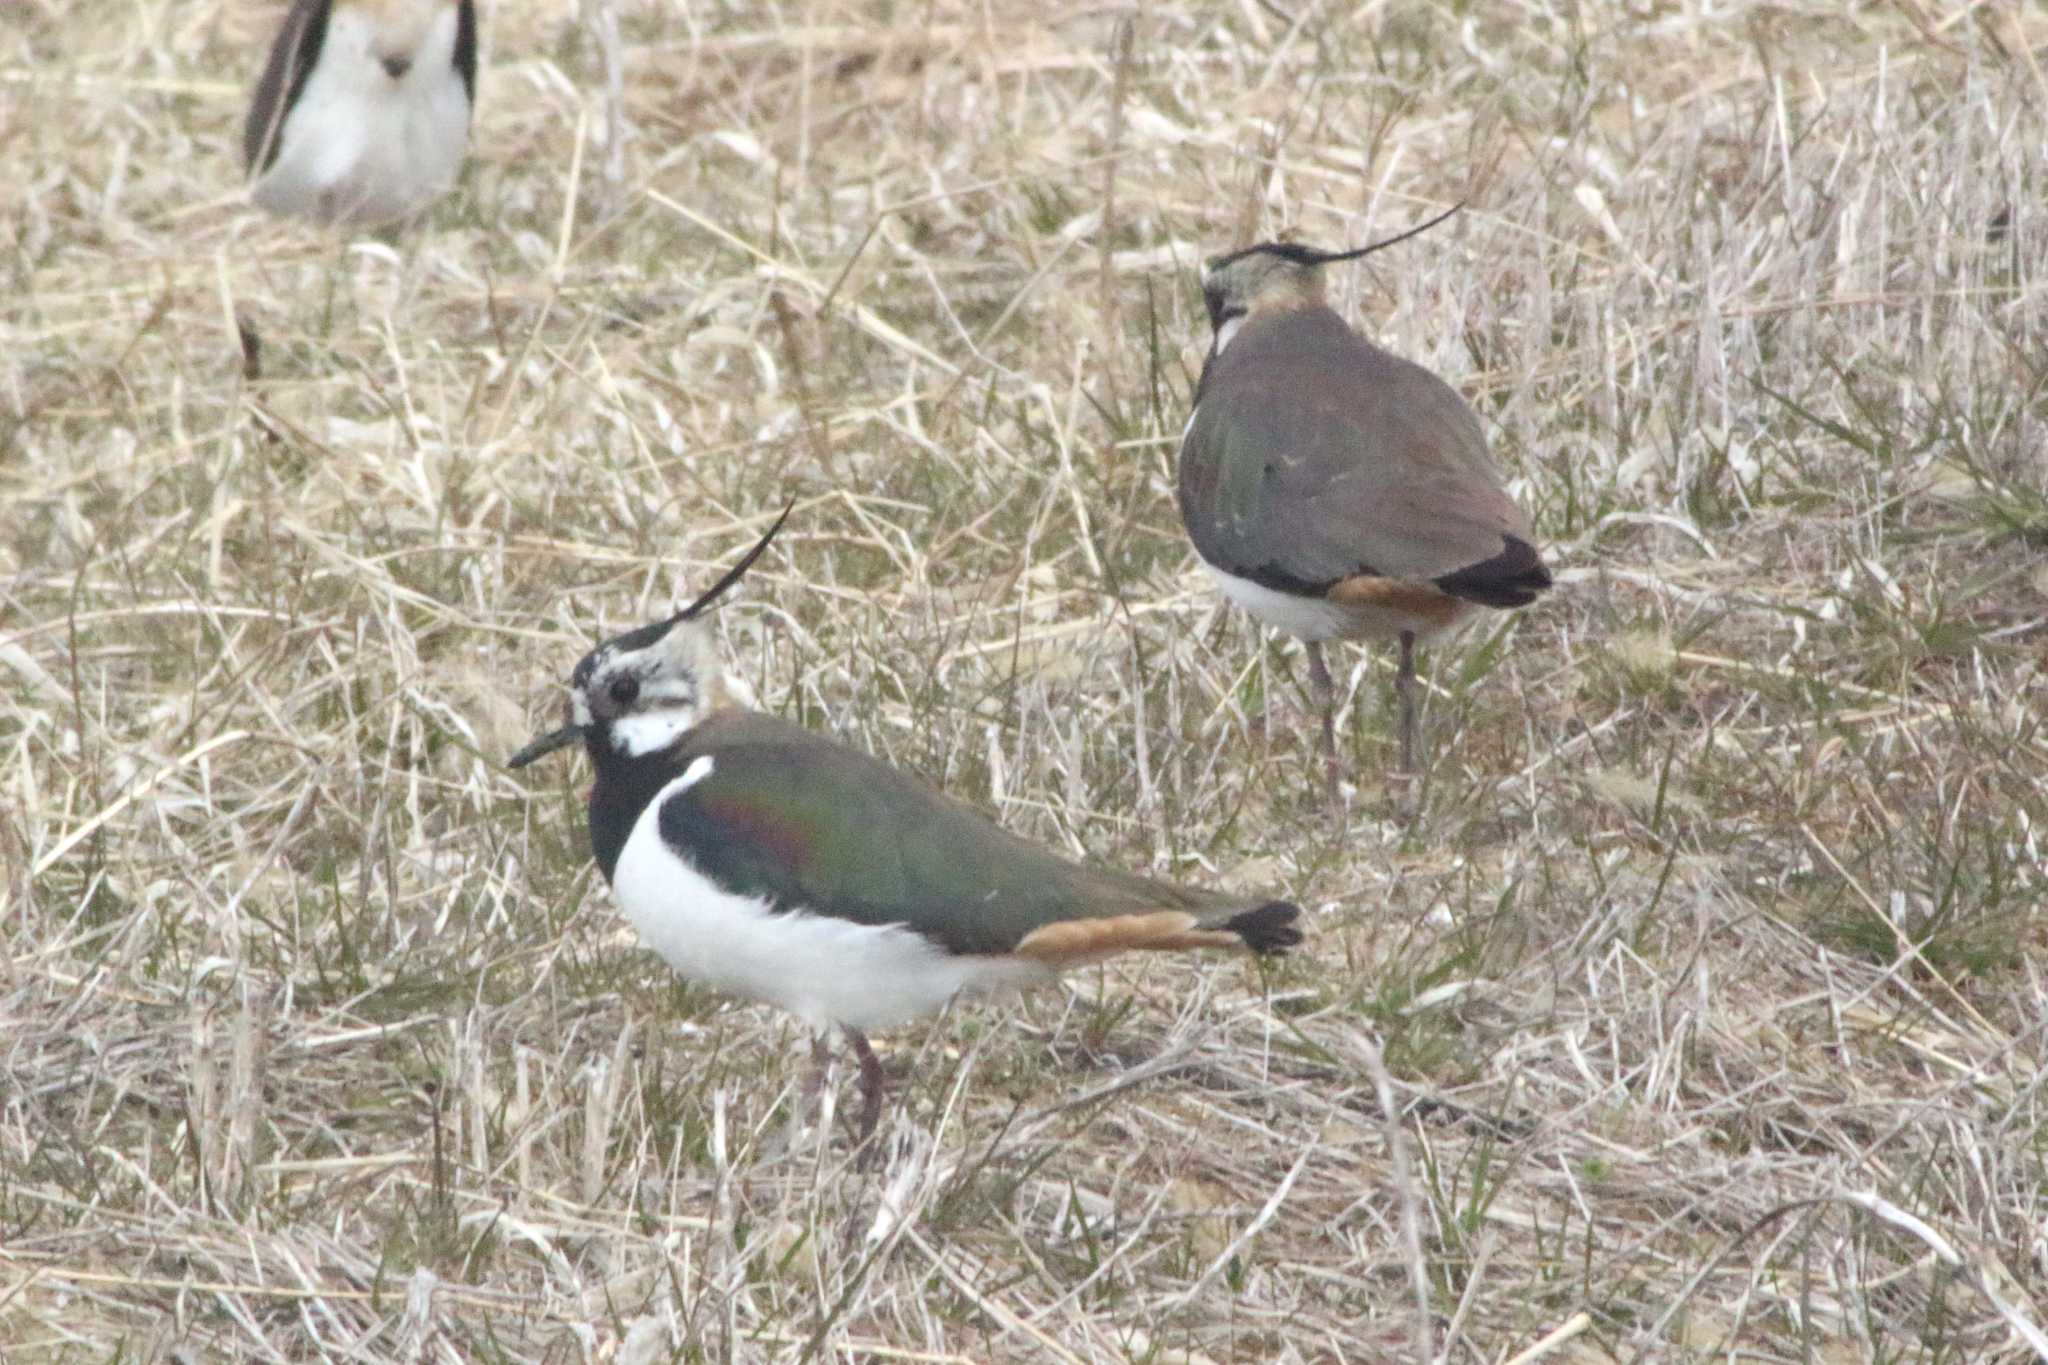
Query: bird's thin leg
[
  {"x": 821, "y": 1063},
  {"x": 1404, "y": 687},
  {"x": 1325, "y": 690},
  {"x": 334, "y": 272},
  {"x": 252, "y": 347},
  {"x": 412, "y": 272},
  {"x": 871, "y": 1089},
  {"x": 810, "y": 1102}
]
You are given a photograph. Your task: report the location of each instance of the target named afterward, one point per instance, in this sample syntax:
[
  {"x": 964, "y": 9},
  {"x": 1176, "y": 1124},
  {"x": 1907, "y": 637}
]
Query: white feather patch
[
  {"x": 1317, "y": 618},
  {"x": 649, "y": 732},
  {"x": 1306, "y": 618}
]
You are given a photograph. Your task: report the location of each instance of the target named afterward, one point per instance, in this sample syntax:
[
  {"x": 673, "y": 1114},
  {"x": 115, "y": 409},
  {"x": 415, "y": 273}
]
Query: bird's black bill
[
  {"x": 1326, "y": 257},
  {"x": 736, "y": 572},
  {"x": 546, "y": 744}
]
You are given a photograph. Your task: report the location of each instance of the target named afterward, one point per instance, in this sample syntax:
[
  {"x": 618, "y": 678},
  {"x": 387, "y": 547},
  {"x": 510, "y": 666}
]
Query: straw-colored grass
[{"x": 1703, "y": 980}]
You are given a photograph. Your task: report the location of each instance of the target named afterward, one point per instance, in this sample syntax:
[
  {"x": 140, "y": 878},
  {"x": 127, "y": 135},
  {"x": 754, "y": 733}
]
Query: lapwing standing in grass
[
  {"x": 361, "y": 117},
  {"x": 1335, "y": 490},
  {"x": 767, "y": 860}
]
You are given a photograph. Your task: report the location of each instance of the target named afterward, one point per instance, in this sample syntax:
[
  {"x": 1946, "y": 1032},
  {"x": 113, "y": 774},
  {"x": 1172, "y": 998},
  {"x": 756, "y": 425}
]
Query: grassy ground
[{"x": 1707, "y": 974}]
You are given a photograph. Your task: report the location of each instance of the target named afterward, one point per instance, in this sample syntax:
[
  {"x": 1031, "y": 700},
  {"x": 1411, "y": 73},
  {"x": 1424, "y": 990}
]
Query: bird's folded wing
[
  {"x": 292, "y": 58},
  {"x": 812, "y": 825},
  {"x": 1314, "y": 456}
]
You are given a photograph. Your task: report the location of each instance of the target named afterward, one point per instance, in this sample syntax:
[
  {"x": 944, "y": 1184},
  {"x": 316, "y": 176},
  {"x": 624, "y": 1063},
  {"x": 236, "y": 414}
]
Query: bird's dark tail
[
  {"x": 1270, "y": 928},
  {"x": 1511, "y": 578}
]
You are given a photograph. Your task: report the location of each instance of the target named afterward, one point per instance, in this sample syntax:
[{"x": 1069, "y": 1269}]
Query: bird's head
[
  {"x": 1277, "y": 276},
  {"x": 638, "y": 693}
]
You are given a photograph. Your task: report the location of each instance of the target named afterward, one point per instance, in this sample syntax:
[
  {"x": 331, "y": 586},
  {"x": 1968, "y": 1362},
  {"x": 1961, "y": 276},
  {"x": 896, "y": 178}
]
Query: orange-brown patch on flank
[
  {"x": 1074, "y": 942},
  {"x": 1426, "y": 601}
]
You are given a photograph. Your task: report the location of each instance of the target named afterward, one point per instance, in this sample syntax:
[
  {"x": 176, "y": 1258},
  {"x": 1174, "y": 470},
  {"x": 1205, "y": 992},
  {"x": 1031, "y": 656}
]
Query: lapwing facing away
[
  {"x": 361, "y": 117},
  {"x": 1335, "y": 490},
  {"x": 766, "y": 860}
]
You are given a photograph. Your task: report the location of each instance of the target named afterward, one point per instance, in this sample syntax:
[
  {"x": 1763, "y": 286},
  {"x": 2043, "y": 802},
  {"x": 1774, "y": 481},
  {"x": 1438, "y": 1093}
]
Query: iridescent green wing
[{"x": 812, "y": 825}]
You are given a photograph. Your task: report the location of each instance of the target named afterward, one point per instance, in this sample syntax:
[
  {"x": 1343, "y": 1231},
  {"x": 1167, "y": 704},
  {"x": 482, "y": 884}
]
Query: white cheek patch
[
  {"x": 1226, "y": 332},
  {"x": 649, "y": 732}
]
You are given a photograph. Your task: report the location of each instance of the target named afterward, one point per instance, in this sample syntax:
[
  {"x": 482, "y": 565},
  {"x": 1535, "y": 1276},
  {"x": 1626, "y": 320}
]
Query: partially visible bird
[
  {"x": 1335, "y": 490},
  {"x": 362, "y": 113},
  {"x": 767, "y": 860}
]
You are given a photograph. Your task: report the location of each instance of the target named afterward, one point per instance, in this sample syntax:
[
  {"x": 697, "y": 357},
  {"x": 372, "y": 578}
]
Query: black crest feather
[
  {"x": 733, "y": 575},
  {"x": 1299, "y": 254}
]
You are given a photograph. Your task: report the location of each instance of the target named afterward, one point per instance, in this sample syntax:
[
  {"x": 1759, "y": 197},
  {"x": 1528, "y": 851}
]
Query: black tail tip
[
  {"x": 1270, "y": 928},
  {"x": 1510, "y": 579}
]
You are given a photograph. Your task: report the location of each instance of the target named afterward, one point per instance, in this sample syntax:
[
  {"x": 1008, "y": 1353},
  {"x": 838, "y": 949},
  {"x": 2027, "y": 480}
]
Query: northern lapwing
[
  {"x": 1335, "y": 490},
  {"x": 767, "y": 860},
  {"x": 361, "y": 117}
]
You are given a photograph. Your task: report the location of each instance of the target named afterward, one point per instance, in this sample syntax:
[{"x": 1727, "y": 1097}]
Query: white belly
[
  {"x": 823, "y": 970},
  {"x": 361, "y": 148}
]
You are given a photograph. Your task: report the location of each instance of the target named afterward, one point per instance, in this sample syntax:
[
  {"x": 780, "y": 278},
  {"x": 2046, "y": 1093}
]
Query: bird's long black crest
[
  {"x": 734, "y": 574},
  {"x": 1308, "y": 255},
  {"x": 1326, "y": 257}
]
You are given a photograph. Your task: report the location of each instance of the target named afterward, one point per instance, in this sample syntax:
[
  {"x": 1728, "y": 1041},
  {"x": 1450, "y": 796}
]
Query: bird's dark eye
[{"x": 624, "y": 691}]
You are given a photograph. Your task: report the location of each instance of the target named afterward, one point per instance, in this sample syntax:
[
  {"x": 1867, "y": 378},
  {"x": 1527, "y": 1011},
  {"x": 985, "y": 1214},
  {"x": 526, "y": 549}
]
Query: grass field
[{"x": 1692, "y": 1008}]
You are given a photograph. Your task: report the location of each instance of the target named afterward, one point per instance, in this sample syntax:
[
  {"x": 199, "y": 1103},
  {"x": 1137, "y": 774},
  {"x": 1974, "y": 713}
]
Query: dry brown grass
[{"x": 1707, "y": 974}]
